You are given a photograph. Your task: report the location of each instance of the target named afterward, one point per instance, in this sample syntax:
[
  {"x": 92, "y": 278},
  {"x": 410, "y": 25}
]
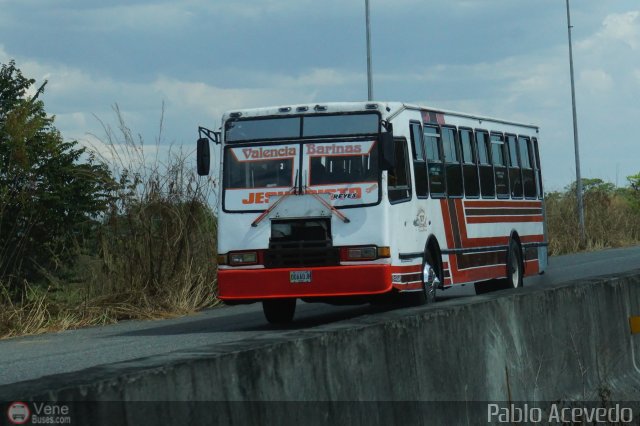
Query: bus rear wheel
[
  {"x": 279, "y": 311},
  {"x": 515, "y": 271}
]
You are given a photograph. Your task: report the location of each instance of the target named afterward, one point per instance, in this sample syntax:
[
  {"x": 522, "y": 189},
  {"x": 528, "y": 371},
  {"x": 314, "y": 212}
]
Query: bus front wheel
[
  {"x": 279, "y": 311},
  {"x": 430, "y": 278}
]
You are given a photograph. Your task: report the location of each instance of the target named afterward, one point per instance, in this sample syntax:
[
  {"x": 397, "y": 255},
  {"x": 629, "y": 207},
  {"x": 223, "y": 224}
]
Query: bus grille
[{"x": 300, "y": 254}]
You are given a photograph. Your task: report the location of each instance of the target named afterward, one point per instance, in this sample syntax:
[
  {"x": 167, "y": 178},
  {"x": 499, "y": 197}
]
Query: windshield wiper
[
  {"x": 324, "y": 202},
  {"x": 292, "y": 191}
]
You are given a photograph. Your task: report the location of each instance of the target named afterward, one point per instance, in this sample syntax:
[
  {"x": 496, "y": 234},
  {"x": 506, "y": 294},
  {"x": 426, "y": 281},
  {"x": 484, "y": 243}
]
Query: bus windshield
[
  {"x": 347, "y": 171},
  {"x": 341, "y": 163},
  {"x": 260, "y": 167}
]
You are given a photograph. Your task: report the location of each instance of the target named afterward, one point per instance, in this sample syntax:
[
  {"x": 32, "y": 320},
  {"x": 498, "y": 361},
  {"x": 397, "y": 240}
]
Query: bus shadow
[{"x": 254, "y": 321}]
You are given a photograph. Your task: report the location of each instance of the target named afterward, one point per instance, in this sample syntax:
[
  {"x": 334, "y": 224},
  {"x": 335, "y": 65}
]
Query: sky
[{"x": 195, "y": 59}]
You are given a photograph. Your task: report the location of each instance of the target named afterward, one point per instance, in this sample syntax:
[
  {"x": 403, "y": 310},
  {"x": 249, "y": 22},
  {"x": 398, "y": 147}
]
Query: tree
[
  {"x": 591, "y": 186},
  {"x": 634, "y": 182},
  {"x": 50, "y": 189}
]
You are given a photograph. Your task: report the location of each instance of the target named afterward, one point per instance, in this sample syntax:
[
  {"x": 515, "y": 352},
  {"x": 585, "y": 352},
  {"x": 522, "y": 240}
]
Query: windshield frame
[
  {"x": 301, "y": 170},
  {"x": 301, "y": 135}
]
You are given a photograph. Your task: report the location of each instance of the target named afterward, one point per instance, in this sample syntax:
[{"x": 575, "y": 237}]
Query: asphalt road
[{"x": 33, "y": 357}]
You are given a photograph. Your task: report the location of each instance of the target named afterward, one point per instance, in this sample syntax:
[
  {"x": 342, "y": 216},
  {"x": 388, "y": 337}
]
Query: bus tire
[
  {"x": 430, "y": 282},
  {"x": 431, "y": 277},
  {"x": 515, "y": 270},
  {"x": 279, "y": 311}
]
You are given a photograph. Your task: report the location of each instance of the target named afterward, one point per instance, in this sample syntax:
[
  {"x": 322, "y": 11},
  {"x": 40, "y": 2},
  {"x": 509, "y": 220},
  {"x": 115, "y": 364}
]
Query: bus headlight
[
  {"x": 363, "y": 253},
  {"x": 243, "y": 258}
]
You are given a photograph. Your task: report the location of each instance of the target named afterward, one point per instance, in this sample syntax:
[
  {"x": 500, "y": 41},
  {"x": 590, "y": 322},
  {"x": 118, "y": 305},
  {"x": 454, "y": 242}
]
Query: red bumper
[{"x": 325, "y": 282}]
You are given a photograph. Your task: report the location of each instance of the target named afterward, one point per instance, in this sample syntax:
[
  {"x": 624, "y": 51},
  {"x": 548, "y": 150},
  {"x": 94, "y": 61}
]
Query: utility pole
[
  {"x": 369, "y": 78},
  {"x": 583, "y": 234}
]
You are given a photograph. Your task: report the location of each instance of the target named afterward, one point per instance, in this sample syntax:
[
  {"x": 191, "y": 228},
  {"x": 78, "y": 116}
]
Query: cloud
[
  {"x": 617, "y": 29},
  {"x": 156, "y": 17},
  {"x": 595, "y": 80}
]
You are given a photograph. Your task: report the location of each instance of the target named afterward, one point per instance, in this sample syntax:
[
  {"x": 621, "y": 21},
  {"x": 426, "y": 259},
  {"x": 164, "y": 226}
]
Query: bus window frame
[
  {"x": 505, "y": 154},
  {"x": 409, "y": 188},
  {"x": 487, "y": 135},
  {"x": 415, "y": 162},
  {"x": 537, "y": 168},
  {"x": 476, "y": 160},
  {"x": 438, "y": 136},
  {"x": 456, "y": 146},
  {"x": 529, "y": 143},
  {"x": 518, "y": 165}
]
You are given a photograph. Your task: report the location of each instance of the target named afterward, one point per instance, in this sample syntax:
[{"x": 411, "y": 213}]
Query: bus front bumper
[{"x": 328, "y": 281}]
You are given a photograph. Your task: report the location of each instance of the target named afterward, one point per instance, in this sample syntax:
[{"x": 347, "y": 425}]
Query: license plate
[{"x": 300, "y": 276}]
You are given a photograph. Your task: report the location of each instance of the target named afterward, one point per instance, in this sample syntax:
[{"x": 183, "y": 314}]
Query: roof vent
[
  {"x": 371, "y": 106},
  {"x": 284, "y": 109},
  {"x": 235, "y": 114},
  {"x": 320, "y": 108},
  {"x": 302, "y": 108}
]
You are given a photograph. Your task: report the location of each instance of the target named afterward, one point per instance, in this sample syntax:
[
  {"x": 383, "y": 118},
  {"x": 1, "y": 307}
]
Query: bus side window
[
  {"x": 538, "y": 168},
  {"x": 452, "y": 161},
  {"x": 435, "y": 168},
  {"x": 419, "y": 161},
  {"x": 528, "y": 174},
  {"x": 485, "y": 169},
  {"x": 399, "y": 181},
  {"x": 515, "y": 173},
  {"x": 469, "y": 167},
  {"x": 500, "y": 165}
]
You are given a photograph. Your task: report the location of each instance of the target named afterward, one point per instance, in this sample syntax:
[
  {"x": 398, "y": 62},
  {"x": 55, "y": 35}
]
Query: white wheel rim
[
  {"x": 515, "y": 271},
  {"x": 429, "y": 279}
]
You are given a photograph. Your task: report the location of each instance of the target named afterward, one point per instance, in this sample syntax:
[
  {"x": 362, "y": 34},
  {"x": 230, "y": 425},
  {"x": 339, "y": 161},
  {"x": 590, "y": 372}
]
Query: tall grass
[
  {"x": 151, "y": 255},
  {"x": 156, "y": 248},
  {"x": 611, "y": 220}
]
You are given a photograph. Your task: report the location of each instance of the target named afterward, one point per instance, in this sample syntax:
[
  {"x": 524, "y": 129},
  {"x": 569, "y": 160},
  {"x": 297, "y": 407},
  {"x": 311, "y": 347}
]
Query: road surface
[{"x": 33, "y": 357}]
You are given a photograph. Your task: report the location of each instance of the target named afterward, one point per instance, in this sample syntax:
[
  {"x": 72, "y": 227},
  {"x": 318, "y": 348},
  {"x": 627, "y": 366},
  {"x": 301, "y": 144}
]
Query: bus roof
[{"x": 389, "y": 110}]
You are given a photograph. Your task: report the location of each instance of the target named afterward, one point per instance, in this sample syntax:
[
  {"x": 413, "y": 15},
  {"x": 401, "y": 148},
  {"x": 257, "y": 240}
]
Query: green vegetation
[
  {"x": 89, "y": 238},
  {"x": 48, "y": 195}
]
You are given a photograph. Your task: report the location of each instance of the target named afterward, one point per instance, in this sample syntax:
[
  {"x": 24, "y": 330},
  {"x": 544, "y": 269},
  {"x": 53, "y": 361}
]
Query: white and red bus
[{"x": 344, "y": 202}]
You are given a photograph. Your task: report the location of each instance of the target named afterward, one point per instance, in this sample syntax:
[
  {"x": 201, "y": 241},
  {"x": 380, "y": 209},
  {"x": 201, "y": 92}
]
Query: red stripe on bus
[
  {"x": 481, "y": 273},
  {"x": 539, "y": 238},
  {"x": 406, "y": 269},
  {"x": 448, "y": 230},
  {"x": 504, "y": 219},
  {"x": 473, "y": 203}
]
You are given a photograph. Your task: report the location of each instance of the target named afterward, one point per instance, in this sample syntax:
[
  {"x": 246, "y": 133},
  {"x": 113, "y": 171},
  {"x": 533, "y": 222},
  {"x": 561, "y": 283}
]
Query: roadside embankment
[{"x": 570, "y": 341}]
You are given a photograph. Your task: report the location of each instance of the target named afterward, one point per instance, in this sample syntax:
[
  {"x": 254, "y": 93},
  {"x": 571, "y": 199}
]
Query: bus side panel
[{"x": 478, "y": 235}]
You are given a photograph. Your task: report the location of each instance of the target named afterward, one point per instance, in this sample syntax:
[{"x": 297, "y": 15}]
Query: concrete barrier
[{"x": 566, "y": 342}]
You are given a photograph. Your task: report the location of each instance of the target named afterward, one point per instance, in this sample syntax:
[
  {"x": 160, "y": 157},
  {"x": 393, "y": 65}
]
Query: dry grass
[{"x": 610, "y": 221}]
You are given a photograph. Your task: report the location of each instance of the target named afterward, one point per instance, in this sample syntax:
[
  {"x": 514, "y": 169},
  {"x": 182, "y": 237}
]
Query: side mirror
[
  {"x": 203, "y": 157},
  {"x": 387, "y": 151}
]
